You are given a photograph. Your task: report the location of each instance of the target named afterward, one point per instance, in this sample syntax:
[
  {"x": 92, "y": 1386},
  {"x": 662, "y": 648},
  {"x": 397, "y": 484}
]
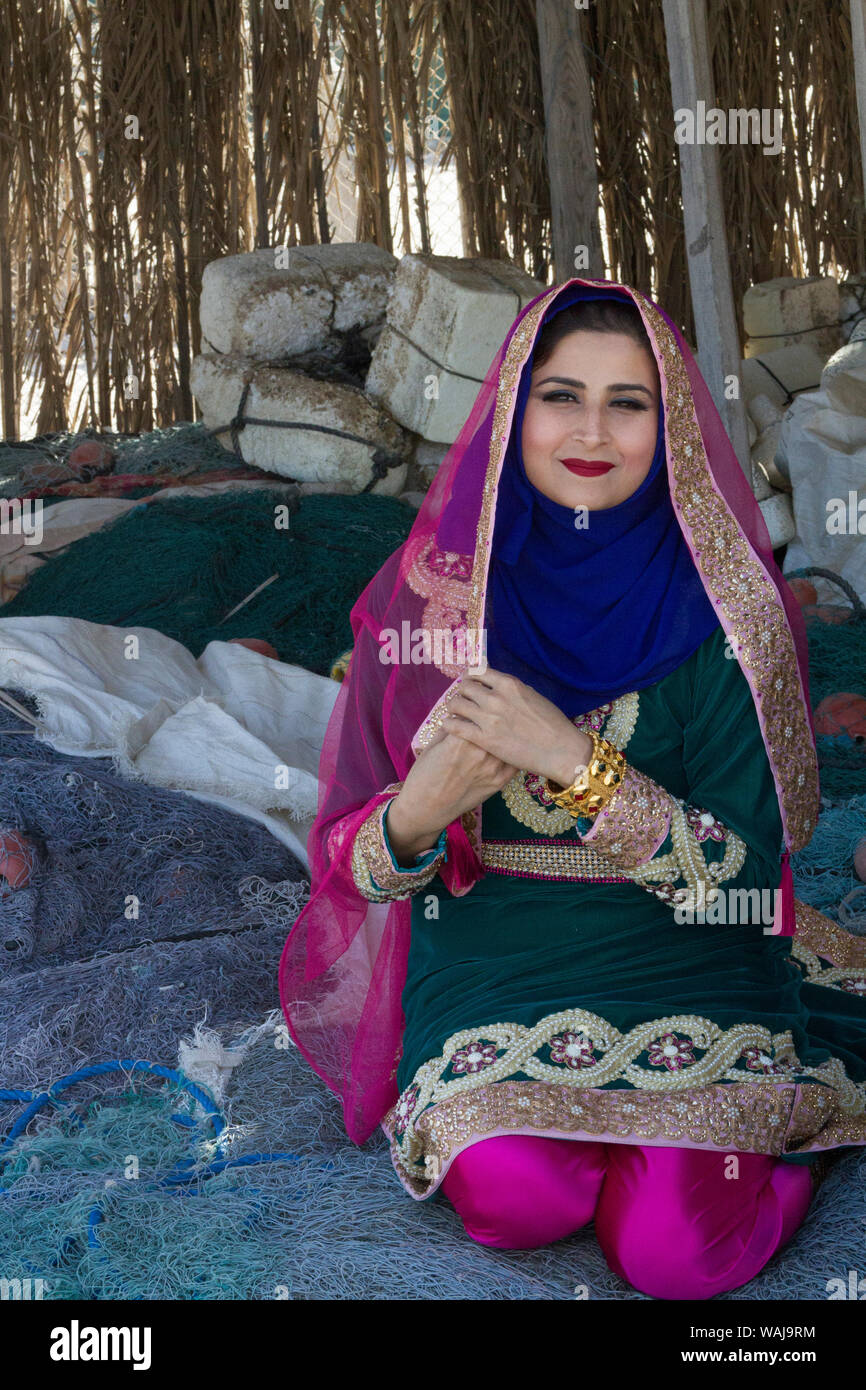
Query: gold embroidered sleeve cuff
[
  {"x": 635, "y": 822},
  {"x": 377, "y": 875}
]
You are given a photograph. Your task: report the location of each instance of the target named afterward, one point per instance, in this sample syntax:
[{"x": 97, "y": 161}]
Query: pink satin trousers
[{"x": 674, "y": 1223}]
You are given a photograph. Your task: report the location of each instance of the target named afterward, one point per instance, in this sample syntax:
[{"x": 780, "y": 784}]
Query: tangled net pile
[{"x": 182, "y": 565}]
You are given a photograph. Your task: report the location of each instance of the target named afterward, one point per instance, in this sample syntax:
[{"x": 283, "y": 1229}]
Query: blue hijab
[{"x": 584, "y": 616}]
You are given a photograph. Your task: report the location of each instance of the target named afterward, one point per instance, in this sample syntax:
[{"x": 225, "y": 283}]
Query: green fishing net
[{"x": 181, "y": 565}]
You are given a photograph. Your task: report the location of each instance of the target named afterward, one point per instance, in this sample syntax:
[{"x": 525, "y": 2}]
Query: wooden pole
[
  {"x": 262, "y": 238},
  {"x": 569, "y": 140},
  {"x": 858, "y": 38},
  {"x": 9, "y": 428},
  {"x": 718, "y": 339}
]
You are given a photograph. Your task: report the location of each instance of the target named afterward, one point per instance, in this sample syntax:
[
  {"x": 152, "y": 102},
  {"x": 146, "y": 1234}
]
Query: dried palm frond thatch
[{"x": 139, "y": 142}]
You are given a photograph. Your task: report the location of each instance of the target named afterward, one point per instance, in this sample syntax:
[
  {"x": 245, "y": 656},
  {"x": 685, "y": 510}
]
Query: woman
[{"x": 538, "y": 949}]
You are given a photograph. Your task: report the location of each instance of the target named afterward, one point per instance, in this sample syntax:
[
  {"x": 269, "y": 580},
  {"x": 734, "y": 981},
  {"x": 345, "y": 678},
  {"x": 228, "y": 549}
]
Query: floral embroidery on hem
[
  {"x": 473, "y": 1057},
  {"x": 581, "y": 1051},
  {"x": 672, "y": 1052}
]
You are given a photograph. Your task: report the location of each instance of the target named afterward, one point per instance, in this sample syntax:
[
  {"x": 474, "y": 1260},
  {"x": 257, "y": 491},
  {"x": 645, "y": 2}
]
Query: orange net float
[
  {"x": 842, "y": 713},
  {"x": 17, "y": 860},
  {"x": 89, "y": 459},
  {"x": 804, "y": 592},
  {"x": 257, "y": 644}
]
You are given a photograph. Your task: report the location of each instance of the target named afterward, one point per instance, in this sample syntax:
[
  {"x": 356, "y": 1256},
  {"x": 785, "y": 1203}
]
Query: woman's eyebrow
[{"x": 617, "y": 385}]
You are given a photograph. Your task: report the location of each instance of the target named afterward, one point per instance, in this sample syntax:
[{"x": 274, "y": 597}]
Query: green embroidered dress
[{"x": 567, "y": 994}]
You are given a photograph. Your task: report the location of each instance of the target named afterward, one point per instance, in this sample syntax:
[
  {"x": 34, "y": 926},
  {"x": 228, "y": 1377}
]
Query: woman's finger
[
  {"x": 473, "y": 692},
  {"x": 489, "y": 676},
  {"x": 479, "y": 682},
  {"x": 463, "y": 709},
  {"x": 467, "y": 730},
  {"x": 464, "y": 728}
]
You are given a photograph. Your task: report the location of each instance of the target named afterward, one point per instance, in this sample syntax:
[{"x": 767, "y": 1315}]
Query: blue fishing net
[
  {"x": 117, "y": 862},
  {"x": 102, "y": 1204},
  {"x": 144, "y": 1184}
]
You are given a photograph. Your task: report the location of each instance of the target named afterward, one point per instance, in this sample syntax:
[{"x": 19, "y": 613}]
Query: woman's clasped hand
[
  {"x": 501, "y": 714},
  {"x": 495, "y": 725}
]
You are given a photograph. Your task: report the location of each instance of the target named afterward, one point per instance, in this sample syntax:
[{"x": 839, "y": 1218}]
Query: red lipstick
[{"x": 587, "y": 468}]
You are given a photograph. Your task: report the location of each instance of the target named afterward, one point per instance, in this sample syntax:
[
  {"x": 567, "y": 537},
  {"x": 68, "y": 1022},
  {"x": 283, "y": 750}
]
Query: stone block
[
  {"x": 313, "y": 454},
  {"x": 823, "y": 340},
  {"x": 786, "y": 311},
  {"x": 428, "y": 458},
  {"x": 447, "y": 318},
  {"x": 280, "y": 301},
  {"x": 852, "y": 306},
  {"x": 788, "y": 306},
  {"x": 776, "y": 374}
]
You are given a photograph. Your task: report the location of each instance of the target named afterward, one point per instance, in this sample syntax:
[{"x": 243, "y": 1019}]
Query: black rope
[
  {"x": 238, "y": 422},
  {"x": 847, "y": 589},
  {"x": 798, "y": 332},
  {"x": 789, "y": 395},
  {"x": 382, "y": 459},
  {"x": 479, "y": 380}
]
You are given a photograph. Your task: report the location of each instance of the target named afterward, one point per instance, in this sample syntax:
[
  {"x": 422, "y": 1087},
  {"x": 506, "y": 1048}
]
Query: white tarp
[
  {"x": 824, "y": 442},
  {"x": 232, "y": 728}
]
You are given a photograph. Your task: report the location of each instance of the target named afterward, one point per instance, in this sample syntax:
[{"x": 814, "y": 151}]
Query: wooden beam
[
  {"x": 858, "y": 37},
  {"x": 569, "y": 140},
  {"x": 718, "y": 339}
]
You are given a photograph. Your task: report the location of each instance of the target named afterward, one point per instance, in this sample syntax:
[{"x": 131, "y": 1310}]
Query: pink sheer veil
[{"x": 343, "y": 968}]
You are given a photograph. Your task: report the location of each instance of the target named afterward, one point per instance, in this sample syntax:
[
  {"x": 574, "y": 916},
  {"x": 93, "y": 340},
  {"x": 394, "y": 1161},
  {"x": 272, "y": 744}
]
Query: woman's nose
[{"x": 590, "y": 427}]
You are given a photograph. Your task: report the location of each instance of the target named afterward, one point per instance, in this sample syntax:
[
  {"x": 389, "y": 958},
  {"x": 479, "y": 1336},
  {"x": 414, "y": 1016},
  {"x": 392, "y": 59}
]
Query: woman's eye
[{"x": 626, "y": 401}]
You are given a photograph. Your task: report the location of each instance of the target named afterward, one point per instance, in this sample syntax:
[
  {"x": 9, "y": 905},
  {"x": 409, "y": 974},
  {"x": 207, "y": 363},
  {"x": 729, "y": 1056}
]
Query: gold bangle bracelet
[{"x": 593, "y": 789}]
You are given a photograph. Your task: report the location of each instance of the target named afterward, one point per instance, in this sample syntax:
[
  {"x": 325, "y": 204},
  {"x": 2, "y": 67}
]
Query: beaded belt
[{"x": 553, "y": 859}]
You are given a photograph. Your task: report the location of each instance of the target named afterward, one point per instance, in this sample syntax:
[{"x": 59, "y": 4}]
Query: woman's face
[{"x": 591, "y": 418}]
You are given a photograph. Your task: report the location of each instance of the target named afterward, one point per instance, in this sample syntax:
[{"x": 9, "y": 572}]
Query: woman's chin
[{"x": 586, "y": 494}]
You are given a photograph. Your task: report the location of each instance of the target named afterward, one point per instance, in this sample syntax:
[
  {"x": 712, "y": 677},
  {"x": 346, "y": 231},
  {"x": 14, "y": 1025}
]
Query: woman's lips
[{"x": 587, "y": 468}]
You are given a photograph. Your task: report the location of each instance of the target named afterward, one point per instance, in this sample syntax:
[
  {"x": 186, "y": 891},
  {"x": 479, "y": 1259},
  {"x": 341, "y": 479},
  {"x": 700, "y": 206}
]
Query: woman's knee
[
  {"x": 519, "y": 1192},
  {"x": 688, "y": 1224},
  {"x": 667, "y": 1259}
]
